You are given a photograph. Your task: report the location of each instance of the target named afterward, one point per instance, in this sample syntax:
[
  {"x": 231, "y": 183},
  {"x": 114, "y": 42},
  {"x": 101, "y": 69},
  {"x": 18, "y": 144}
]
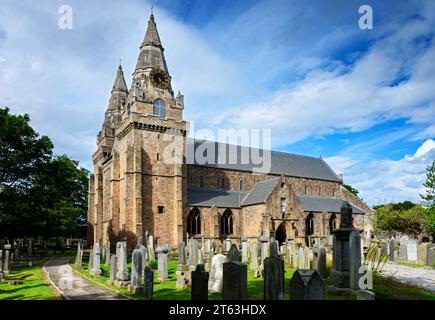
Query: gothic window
[
  {"x": 333, "y": 222},
  {"x": 159, "y": 108},
  {"x": 194, "y": 222},
  {"x": 306, "y": 190},
  {"x": 309, "y": 225},
  {"x": 227, "y": 223},
  {"x": 282, "y": 205},
  {"x": 320, "y": 191},
  {"x": 241, "y": 185}
]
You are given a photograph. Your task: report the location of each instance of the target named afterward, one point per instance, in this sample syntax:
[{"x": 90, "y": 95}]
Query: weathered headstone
[
  {"x": 264, "y": 249},
  {"x": 193, "y": 253},
  {"x": 1, "y": 264},
  {"x": 339, "y": 275},
  {"x": 234, "y": 254},
  {"x": 273, "y": 288},
  {"x": 227, "y": 245},
  {"x": 235, "y": 281},
  {"x": 319, "y": 261},
  {"x": 301, "y": 262},
  {"x": 6, "y": 263},
  {"x": 199, "y": 283},
  {"x": 30, "y": 248},
  {"x": 107, "y": 253},
  {"x": 295, "y": 258},
  {"x": 149, "y": 282},
  {"x": 216, "y": 273},
  {"x": 307, "y": 285},
  {"x": 96, "y": 251},
  {"x": 412, "y": 250},
  {"x": 354, "y": 259},
  {"x": 151, "y": 254},
  {"x": 91, "y": 261},
  {"x": 392, "y": 249},
  {"x": 403, "y": 249},
  {"x": 181, "y": 256},
  {"x": 113, "y": 270},
  {"x": 253, "y": 265},
  {"x": 122, "y": 269},
  {"x": 307, "y": 258},
  {"x": 136, "y": 271},
  {"x": 162, "y": 263},
  {"x": 244, "y": 250},
  {"x": 430, "y": 254}
]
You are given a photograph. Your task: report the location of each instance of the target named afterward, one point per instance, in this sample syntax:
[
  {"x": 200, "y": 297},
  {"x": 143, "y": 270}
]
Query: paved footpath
[
  {"x": 74, "y": 287},
  {"x": 420, "y": 277}
]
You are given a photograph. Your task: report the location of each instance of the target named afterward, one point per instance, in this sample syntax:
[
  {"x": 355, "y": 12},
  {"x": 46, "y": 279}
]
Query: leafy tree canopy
[{"x": 351, "y": 189}]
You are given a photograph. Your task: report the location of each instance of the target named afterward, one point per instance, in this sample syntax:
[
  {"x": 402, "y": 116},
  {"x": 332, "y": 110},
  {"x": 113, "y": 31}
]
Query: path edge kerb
[{"x": 47, "y": 276}]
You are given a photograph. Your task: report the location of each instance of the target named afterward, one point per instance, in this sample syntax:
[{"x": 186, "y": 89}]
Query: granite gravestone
[
  {"x": 234, "y": 254},
  {"x": 122, "y": 269},
  {"x": 113, "y": 270},
  {"x": 307, "y": 285},
  {"x": 403, "y": 248},
  {"x": 244, "y": 250},
  {"x": 162, "y": 263},
  {"x": 412, "y": 250},
  {"x": 96, "y": 253},
  {"x": 235, "y": 281},
  {"x": 354, "y": 259},
  {"x": 148, "y": 282},
  {"x": 319, "y": 261},
  {"x": 392, "y": 249},
  {"x": 339, "y": 275},
  {"x": 136, "y": 271},
  {"x": 6, "y": 262},
  {"x": 253, "y": 265},
  {"x": 199, "y": 283},
  {"x": 273, "y": 288}
]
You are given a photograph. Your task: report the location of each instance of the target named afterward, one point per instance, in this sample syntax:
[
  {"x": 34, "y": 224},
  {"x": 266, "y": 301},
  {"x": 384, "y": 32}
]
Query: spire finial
[
  {"x": 152, "y": 7},
  {"x": 120, "y": 62}
]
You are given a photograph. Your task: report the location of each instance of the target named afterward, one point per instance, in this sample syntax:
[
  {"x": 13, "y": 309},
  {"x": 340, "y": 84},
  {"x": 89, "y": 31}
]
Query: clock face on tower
[{"x": 159, "y": 78}]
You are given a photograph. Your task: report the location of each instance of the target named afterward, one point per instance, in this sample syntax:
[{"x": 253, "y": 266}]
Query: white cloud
[
  {"x": 354, "y": 97},
  {"x": 381, "y": 181}
]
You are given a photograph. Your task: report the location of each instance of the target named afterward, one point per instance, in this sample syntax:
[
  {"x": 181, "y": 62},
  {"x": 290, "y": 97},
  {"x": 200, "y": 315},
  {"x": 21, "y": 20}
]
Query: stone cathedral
[{"x": 133, "y": 190}]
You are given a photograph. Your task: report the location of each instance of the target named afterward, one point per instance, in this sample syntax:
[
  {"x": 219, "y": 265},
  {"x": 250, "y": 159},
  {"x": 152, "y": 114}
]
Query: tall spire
[
  {"x": 119, "y": 84},
  {"x": 151, "y": 50}
]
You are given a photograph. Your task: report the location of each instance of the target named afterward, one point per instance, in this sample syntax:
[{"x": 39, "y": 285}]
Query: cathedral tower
[{"x": 139, "y": 181}]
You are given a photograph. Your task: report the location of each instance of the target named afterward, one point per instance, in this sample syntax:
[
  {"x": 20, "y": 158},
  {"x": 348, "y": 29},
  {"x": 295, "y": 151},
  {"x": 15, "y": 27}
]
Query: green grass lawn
[
  {"x": 34, "y": 286},
  {"x": 388, "y": 288},
  {"x": 385, "y": 288},
  {"x": 167, "y": 290}
]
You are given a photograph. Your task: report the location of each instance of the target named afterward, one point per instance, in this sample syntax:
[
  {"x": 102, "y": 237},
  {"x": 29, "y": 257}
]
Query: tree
[
  {"x": 404, "y": 217},
  {"x": 429, "y": 199},
  {"x": 40, "y": 194},
  {"x": 351, "y": 189},
  {"x": 59, "y": 197}
]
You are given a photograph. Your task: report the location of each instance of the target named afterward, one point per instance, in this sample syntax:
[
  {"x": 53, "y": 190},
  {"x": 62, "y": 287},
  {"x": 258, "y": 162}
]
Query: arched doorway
[{"x": 281, "y": 234}]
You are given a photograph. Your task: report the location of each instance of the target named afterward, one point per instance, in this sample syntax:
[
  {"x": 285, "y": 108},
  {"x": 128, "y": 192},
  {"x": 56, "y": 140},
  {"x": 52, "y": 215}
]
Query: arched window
[
  {"x": 159, "y": 108},
  {"x": 227, "y": 223},
  {"x": 333, "y": 222},
  {"x": 194, "y": 222},
  {"x": 241, "y": 185},
  {"x": 309, "y": 225}
]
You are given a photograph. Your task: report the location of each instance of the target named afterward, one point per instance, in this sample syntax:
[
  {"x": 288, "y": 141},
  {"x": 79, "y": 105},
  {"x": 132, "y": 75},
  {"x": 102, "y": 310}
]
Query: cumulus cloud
[
  {"x": 384, "y": 181},
  {"x": 393, "y": 79}
]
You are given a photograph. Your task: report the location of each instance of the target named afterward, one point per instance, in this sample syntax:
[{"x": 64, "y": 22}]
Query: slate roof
[
  {"x": 219, "y": 198},
  {"x": 260, "y": 192},
  {"x": 281, "y": 163},
  {"x": 320, "y": 204}
]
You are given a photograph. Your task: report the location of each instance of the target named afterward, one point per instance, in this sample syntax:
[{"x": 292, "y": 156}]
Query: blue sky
[{"x": 362, "y": 99}]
